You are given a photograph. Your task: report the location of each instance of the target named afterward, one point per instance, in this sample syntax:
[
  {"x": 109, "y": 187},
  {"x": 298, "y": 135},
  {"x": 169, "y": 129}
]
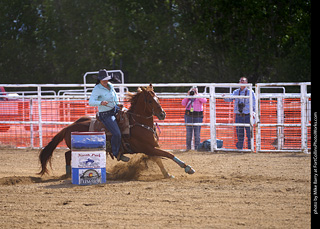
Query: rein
[
  {"x": 145, "y": 117},
  {"x": 144, "y": 126},
  {"x": 145, "y": 106},
  {"x": 135, "y": 123},
  {"x": 141, "y": 116}
]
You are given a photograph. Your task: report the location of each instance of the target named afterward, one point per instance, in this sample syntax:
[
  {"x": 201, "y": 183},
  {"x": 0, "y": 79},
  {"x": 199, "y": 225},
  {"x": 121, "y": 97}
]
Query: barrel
[{"x": 88, "y": 158}]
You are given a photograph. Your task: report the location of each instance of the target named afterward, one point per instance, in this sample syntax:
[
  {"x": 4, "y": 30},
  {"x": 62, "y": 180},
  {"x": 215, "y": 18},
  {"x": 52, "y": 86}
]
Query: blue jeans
[
  {"x": 240, "y": 131},
  {"x": 110, "y": 122},
  {"x": 193, "y": 130}
]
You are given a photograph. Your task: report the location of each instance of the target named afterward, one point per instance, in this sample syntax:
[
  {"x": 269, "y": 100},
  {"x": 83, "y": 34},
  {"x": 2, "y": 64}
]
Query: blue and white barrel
[
  {"x": 88, "y": 158},
  {"x": 88, "y": 141}
]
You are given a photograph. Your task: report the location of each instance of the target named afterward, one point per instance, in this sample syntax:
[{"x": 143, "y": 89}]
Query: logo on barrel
[
  {"x": 89, "y": 163},
  {"x": 90, "y": 176}
]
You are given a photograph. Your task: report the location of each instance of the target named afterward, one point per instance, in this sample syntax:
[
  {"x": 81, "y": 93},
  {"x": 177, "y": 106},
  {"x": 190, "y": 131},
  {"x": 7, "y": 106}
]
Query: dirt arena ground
[{"x": 228, "y": 190}]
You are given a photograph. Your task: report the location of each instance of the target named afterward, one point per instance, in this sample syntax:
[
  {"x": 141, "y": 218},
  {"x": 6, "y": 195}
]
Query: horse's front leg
[
  {"x": 162, "y": 153},
  {"x": 187, "y": 168},
  {"x": 161, "y": 166}
]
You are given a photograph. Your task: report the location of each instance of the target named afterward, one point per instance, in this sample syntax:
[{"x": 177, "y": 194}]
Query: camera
[
  {"x": 191, "y": 93},
  {"x": 240, "y": 107}
]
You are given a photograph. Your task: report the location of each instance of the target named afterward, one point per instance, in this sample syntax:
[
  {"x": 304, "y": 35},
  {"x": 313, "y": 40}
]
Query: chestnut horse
[{"x": 144, "y": 105}]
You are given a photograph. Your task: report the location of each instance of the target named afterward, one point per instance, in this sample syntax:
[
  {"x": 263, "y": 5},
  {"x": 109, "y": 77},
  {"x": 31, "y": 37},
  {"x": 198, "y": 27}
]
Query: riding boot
[{"x": 123, "y": 158}]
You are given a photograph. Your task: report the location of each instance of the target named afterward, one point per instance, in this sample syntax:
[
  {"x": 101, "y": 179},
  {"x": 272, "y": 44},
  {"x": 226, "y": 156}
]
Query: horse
[{"x": 143, "y": 137}]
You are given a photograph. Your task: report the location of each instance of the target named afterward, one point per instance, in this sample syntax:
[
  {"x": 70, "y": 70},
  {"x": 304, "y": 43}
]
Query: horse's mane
[{"x": 133, "y": 97}]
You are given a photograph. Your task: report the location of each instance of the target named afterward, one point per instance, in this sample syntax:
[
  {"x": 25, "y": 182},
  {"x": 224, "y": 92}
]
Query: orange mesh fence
[
  {"x": 171, "y": 137},
  {"x": 291, "y": 115},
  {"x": 268, "y": 111}
]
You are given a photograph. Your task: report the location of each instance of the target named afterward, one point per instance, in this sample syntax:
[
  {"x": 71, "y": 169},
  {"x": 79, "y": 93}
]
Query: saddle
[{"x": 122, "y": 118}]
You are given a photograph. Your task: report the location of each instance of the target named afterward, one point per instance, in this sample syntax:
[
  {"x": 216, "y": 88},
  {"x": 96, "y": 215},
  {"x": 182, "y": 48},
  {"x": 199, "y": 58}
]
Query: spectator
[
  {"x": 242, "y": 111},
  {"x": 193, "y": 114}
]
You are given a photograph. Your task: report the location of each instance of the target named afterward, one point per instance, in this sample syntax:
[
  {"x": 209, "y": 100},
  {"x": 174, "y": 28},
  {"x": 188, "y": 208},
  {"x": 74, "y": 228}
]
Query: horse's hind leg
[
  {"x": 68, "y": 163},
  {"x": 161, "y": 166}
]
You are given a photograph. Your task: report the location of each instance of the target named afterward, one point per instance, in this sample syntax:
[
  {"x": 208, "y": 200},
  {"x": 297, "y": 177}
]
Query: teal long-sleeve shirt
[{"x": 100, "y": 93}]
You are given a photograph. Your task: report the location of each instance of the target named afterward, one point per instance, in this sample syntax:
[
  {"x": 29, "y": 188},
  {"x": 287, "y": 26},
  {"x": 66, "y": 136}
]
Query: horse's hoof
[{"x": 188, "y": 169}]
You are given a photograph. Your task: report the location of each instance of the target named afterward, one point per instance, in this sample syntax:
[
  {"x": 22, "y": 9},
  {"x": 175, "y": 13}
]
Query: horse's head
[{"x": 152, "y": 104}]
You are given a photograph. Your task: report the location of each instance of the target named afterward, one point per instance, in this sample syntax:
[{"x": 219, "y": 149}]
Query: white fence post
[
  {"x": 251, "y": 119},
  {"x": 213, "y": 119},
  {"x": 40, "y": 116},
  {"x": 280, "y": 120},
  {"x": 258, "y": 113}
]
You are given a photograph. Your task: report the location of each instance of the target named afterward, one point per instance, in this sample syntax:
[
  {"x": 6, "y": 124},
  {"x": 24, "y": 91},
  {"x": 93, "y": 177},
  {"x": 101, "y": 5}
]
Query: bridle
[
  {"x": 145, "y": 107},
  {"x": 140, "y": 116},
  {"x": 135, "y": 123}
]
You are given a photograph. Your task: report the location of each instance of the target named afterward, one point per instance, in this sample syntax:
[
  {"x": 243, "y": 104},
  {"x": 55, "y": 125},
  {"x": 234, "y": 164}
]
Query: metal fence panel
[{"x": 35, "y": 113}]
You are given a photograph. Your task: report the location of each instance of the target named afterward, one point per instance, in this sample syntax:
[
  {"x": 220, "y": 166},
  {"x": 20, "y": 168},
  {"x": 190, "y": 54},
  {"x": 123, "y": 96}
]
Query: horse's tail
[{"x": 46, "y": 153}]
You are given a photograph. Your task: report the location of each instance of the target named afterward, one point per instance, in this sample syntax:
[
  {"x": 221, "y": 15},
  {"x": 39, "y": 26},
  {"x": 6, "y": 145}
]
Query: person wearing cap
[
  {"x": 193, "y": 114},
  {"x": 242, "y": 111},
  {"x": 105, "y": 98}
]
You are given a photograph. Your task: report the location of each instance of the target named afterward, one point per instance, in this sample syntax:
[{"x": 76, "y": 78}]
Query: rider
[{"x": 104, "y": 96}]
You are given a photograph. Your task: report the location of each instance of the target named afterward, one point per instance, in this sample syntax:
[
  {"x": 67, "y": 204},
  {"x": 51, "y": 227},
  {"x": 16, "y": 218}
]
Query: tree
[{"x": 155, "y": 40}]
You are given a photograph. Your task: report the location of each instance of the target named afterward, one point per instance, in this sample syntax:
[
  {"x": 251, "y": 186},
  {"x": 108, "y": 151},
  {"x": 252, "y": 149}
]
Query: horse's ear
[
  {"x": 139, "y": 89},
  {"x": 150, "y": 87}
]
